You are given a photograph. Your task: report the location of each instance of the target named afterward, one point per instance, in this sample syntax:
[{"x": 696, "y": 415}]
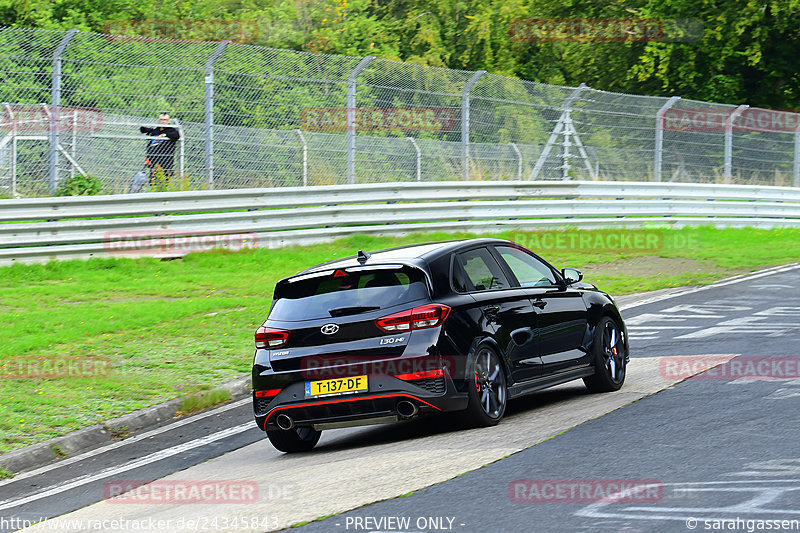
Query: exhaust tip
[
  {"x": 406, "y": 409},
  {"x": 284, "y": 422}
]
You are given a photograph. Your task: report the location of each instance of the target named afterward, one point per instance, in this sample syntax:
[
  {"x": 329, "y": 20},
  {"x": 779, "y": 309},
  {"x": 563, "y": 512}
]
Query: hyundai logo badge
[{"x": 329, "y": 329}]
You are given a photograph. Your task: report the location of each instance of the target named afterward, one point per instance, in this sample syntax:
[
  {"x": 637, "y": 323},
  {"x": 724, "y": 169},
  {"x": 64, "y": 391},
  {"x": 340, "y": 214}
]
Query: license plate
[{"x": 336, "y": 386}]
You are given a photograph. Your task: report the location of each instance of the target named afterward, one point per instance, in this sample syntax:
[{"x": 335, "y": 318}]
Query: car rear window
[{"x": 346, "y": 293}]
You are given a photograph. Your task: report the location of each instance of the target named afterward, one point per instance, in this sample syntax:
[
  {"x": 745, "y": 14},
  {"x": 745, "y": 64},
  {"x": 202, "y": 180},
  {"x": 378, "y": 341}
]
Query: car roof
[{"x": 414, "y": 254}]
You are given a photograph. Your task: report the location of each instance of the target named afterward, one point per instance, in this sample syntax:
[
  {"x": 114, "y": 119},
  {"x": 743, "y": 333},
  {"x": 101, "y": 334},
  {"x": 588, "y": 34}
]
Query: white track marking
[
  {"x": 130, "y": 465},
  {"x": 722, "y": 283},
  {"x": 124, "y": 442}
]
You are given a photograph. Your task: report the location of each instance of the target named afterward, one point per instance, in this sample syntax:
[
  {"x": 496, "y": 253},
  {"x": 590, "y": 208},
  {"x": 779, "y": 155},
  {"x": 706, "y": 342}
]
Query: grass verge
[
  {"x": 202, "y": 400},
  {"x": 158, "y": 330}
]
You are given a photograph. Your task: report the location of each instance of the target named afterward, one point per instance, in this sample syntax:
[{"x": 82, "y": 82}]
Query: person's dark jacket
[{"x": 161, "y": 151}]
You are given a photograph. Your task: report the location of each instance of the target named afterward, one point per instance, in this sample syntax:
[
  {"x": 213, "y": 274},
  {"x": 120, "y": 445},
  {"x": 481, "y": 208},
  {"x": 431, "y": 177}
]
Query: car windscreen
[{"x": 345, "y": 293}]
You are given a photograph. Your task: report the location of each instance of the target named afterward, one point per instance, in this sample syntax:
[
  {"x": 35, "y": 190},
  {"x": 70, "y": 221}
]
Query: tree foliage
[{"x": 746, "y": 52}]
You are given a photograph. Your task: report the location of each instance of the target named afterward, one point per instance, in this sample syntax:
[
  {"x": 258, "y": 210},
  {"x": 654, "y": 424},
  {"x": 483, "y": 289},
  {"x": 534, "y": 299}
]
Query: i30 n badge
[{"x": 459, "y": 326}]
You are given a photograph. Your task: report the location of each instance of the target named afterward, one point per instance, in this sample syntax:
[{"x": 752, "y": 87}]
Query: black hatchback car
[{"x": 450, "y": 326}]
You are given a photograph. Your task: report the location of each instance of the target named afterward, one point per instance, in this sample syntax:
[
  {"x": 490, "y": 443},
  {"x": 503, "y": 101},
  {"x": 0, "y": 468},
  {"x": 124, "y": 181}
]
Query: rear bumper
[{"x": 379, "y": 404}]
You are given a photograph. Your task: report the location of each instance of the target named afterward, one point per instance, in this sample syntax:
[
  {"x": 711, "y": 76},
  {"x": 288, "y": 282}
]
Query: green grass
[
  {"x": 171, "y": 329},
  {"x": 203, "y": 400}
]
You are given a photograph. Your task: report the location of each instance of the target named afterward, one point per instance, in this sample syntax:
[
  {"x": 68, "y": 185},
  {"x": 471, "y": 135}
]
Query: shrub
[
  {"x": 161, "y": 182},
  {"x": 80, "y": 185}
]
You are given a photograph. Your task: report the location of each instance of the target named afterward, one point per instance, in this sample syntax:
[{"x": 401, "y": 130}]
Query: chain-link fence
[{"x": 248, "y": 116}]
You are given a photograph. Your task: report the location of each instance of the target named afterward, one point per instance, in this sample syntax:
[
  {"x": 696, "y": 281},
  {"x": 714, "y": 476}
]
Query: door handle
[
  {"x": 539, "y": 303},
  {"x": 491, "y": 311}
]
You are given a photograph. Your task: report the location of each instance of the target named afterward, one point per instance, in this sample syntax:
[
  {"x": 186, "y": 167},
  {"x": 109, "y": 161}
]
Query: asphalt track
[{"x": 715, "y": 447}]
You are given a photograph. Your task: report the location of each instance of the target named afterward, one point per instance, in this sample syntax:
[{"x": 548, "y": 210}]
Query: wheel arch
[
  {"x": 491, "y": 342},
  {"x": 600, "y": 306},
  {"x": 613, "y": 313}
]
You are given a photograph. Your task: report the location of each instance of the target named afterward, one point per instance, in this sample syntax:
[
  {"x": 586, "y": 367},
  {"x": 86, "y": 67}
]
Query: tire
[
  {"x": 487, "y": 390},
  {"x": 294, "y": 440},
  {"x": 609, "y": 358}
]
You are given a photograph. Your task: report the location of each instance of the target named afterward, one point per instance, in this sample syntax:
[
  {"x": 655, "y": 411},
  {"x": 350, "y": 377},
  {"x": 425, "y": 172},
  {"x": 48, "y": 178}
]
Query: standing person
[{"x": 161, "y": 148}]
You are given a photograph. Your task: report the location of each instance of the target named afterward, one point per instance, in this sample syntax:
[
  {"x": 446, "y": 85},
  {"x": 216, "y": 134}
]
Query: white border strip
[
  {"x": 721, "y": 283},
  {"x": 131, "y": 440}
]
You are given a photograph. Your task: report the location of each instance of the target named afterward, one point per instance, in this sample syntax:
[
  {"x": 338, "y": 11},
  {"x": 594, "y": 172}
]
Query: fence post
[
  {"x": 729, "y": 140},
  {"x": 519, "y": 160},
  {"x": 181, "y": 149},
  {"x": 209, "y": 83},
  {"x": 465, "y": 121},
  {"x": 418, "y": 158},
  {"x": 73, "y": 141},
  {"x": 13, "y": 154},
  {"x": 351, "y": 117},
  {"x": 659, "y": 152},
  {"x": 305, "y": 156},
  {"x": 55, "y": 105},
  {"x": 796, "y": 166}
]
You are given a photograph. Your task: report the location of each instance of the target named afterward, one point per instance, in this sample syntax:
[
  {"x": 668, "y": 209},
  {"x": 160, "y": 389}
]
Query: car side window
[
  {"x": 529, "y": 271},
  {"x": 481, "y": 270}
]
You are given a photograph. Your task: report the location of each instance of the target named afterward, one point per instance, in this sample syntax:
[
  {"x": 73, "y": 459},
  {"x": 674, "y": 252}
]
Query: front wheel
[
  {"x": 609, "y": 358},
  {"x": 294, "y": 440},
  {"x": 487, "y": 390}
]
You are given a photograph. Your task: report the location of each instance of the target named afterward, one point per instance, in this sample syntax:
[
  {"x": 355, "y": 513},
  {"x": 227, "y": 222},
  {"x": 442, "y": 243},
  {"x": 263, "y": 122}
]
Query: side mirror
[{"x": 571, "y": 275}]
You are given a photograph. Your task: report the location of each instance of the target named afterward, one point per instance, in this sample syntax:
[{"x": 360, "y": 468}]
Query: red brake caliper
[{"x": 477, "y": 383}]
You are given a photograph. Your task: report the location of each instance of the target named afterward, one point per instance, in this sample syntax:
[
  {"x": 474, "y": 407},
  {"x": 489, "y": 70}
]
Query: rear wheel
[
  {"x": 609, "y": 358},
  {"x": 294, "y": 440},
  {"x": 487, "y": 390}
]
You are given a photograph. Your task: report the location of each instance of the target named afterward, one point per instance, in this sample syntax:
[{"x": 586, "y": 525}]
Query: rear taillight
[
  {"x": 424, "y": 316},
  {"x": 425, "y": 374},
  {"x": 270, "y": 337},
  {"x": 267, "y": 393}
]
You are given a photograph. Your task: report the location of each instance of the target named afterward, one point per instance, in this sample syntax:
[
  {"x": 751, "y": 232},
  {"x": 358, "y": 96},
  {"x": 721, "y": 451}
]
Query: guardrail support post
[
  {"x": 659, "y": 148},
  {"x": 418, "y": 165},
  {"x": 304, "y": 154},
  {"x": 519, "y": 159},
  {"x": 209, "y": 101},
  {"x": 55, "y": 105},
  {"x": 465, "y": 121},
  {"x": 729, "y": 141},
  {"x": 351, "y": 117}
]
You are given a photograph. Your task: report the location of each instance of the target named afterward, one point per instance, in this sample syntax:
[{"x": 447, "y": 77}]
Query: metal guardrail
[{"x": 173, "y": 224}]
